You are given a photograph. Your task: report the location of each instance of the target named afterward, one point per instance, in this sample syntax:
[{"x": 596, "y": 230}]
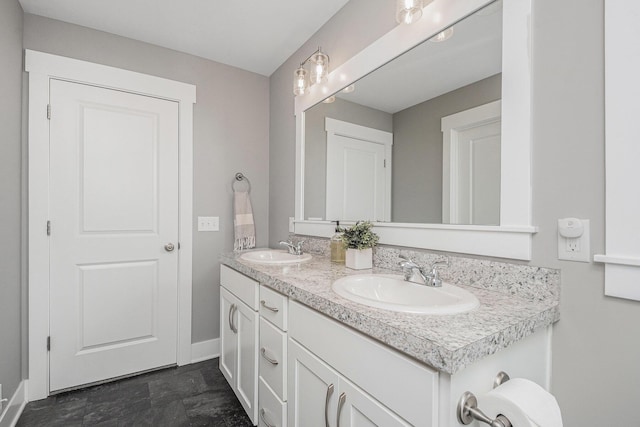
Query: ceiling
[{"x": 257, "y": 36}]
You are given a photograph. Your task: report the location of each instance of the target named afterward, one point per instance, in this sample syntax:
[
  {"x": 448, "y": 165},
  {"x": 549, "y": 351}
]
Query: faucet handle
[
  {"x": 435, "y": 273},
  {"x": 406, "y": 261},
  {"x": 437, "y": 264}
]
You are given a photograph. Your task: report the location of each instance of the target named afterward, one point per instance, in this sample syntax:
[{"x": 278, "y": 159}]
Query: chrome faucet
[
  {"x": 294, "y": 249},
  {"x": 413, "y": 273}
]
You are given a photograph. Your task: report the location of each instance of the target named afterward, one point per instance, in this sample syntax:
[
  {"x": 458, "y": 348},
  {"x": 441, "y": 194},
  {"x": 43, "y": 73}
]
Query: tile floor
[{"x": 192, "y": 395}]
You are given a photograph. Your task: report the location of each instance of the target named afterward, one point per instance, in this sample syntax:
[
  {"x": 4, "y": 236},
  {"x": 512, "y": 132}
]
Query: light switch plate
[
  {"x": 292, "y": 227},
  {"x": 208, "y": 223},
  {"x": 577, "y": 249}
]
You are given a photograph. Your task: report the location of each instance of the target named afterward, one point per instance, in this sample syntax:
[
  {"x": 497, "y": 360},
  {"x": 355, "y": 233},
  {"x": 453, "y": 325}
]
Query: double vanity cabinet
[{"x": 294, "y": 361}]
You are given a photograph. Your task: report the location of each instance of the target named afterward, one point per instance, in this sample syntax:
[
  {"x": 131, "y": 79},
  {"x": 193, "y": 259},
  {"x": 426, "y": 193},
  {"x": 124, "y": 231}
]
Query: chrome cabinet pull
[
  {"x": 326, "y": 405},
  {"x": 263, "y": 351},
  {"x": 231, "y": 325},
  {"x": 341, "y": 400},
  {"x": 264, "y": 419},
  {"x": 264, "y": 304}
]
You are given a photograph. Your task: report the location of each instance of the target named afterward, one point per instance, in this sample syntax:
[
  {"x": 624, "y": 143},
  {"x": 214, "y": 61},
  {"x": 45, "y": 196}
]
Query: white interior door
[
  {"x": 113, "y": 208},
  {"x": 471, "y": 165},
  {"x": 478, "y": 180},
  {"x": 358, "y": 172}
]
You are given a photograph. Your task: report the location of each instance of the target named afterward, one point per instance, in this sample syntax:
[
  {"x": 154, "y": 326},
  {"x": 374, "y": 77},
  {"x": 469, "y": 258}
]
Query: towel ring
[{"x": 239, "y": 178}]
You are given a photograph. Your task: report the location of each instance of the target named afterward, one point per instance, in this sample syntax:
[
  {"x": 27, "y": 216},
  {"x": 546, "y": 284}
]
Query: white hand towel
[{"x": 244, "y": 228}]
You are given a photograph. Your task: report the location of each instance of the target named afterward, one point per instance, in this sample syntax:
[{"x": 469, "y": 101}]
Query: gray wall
[
  {"x": 231, "y": 128},
  {"x": 595, "y": 345},
  {"x": 417, "y": 150},
  {"x": 315, "y": 184},
  {"x": 10, "y": 198},
  {"x": 596, "y": 350}
]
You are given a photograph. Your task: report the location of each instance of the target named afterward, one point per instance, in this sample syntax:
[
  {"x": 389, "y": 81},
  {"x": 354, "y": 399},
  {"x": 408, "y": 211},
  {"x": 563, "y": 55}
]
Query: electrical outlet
[
  {"x": 574, "y": 240},
  {"x": 292, "y": 227},
  {"x": 208, "y": 223}
]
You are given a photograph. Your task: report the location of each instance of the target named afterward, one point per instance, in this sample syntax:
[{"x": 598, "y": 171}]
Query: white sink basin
[
  {"x": 392, "y": 292},
  {"x": 274, "y": 256}
]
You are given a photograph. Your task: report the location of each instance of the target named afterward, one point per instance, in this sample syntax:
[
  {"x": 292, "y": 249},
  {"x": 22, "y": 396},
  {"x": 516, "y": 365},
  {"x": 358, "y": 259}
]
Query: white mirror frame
[{"x": 512, "y": 238}]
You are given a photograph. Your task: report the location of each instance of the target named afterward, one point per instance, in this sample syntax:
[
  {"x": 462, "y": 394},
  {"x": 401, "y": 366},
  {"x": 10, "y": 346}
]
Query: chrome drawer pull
[
  {"x": 231, "y": 325},
  {"x": 326, "y": 405},
  {"x": 264, "y": 419},
  {"x": 341, "y": 399},
  {"x": 264, "y": 304},
  {"x": 263, "y": 351}
]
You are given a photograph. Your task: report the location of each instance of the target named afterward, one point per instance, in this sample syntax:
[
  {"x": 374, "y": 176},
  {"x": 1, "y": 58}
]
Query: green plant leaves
[{"x": 359, "y": 236}]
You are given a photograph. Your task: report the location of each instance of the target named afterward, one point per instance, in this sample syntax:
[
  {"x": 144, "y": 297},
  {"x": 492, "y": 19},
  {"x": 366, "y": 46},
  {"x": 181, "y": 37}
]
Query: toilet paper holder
[{"x": 468, "y": 407}]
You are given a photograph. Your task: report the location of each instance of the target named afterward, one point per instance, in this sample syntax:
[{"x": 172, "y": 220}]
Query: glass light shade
[
  {"x": 300, "y": 82},
  {"x": 319, "y": 67},
  {"x": 408, "y": 11},
  {"x": 349, "y": 89},
  {"x": 330, "y": 99},
  {"x": 442, "y": 36}
]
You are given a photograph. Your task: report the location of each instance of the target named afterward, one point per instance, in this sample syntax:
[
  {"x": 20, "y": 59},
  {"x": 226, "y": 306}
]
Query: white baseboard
[
  {"x": 13, "y": 409},
  {"x": 204, "y": 350}
]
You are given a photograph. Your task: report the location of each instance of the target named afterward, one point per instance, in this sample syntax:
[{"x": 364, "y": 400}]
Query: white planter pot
[{"x": 359, "y": 259}]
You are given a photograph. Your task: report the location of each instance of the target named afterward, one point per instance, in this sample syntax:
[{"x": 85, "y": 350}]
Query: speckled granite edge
[
  {"x": 535, "y": 283},
  {"x": 447, "y": 343}
]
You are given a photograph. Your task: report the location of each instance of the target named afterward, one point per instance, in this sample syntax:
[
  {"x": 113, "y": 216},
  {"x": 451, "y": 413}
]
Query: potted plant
[{"x": 359, "y": 241}]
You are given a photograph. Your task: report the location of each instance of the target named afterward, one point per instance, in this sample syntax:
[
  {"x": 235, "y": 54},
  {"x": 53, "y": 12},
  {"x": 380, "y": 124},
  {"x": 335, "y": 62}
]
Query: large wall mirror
[
  {"x": 429, "y": 140},
  {"x": 454, "y": 74}
]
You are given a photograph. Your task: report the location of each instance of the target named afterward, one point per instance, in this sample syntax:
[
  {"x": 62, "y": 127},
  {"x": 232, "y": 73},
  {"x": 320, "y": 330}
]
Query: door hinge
[
  {"x": 48, "y": 111},
  {"x": 48, "y": 228},
  {"x": 48, "y": 343},
  {"x": 178, "y": 245},
  {"x": 385, "y": 163}
]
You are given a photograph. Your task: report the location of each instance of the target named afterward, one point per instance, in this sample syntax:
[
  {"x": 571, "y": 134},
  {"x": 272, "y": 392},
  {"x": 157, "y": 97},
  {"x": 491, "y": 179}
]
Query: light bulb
[
  {"x": 320, "y": 70},
  {"x": 442, "y": 36},
  {"x": 408, "y": 11},
  {"x": 349, "y": 89},
  {"x": 300, "y": 82}
]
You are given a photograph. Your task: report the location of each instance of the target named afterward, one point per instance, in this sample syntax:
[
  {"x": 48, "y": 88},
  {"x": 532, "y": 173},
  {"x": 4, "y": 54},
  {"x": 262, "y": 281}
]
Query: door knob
[{"x": 169, "y": 247}]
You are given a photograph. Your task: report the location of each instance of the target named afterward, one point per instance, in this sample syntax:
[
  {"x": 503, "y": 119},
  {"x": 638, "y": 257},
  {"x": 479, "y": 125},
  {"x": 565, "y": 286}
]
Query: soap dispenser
[{"x": 337, "y": 246}]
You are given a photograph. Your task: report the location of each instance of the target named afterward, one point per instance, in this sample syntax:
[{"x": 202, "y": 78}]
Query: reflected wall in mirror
[{"x": 413, "y": 141}]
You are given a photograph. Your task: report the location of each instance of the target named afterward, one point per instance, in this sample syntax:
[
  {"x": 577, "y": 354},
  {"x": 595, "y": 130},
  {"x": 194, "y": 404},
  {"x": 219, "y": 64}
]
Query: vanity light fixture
[
  {"x": 409, "y": 11},
  {"x": 442, "y": 36},
  {"x": 330, "y": 99},
  {"x": 319, "y": 65}
]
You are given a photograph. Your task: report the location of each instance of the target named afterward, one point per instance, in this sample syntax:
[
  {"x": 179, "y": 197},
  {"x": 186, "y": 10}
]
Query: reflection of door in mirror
[
  {"x": 358, "y": 172},
  {"x": 471, "y": 166}
]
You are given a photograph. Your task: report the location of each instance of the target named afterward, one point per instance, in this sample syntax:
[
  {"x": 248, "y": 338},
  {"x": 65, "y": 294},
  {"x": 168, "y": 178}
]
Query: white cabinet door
[
  {"x": 228, "y": 338},
  {"x": 238, "y": 355},
  {"x": 358, "y": 409},
  {"x": 246, "y": 321},
  {"x": 313, "y": 387}
]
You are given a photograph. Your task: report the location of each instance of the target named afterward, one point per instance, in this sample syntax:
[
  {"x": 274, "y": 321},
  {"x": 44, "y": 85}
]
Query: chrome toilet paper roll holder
[{"x": 468, "y": 407}]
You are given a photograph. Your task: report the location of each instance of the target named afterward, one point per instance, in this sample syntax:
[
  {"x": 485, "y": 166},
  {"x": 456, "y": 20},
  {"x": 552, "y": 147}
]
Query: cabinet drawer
[
  {"x": 273, "y": 358},
  {"x": 272, "y": 412},
  {"x": 245, "y": 288},
  {"x": 273, "y": 307}
]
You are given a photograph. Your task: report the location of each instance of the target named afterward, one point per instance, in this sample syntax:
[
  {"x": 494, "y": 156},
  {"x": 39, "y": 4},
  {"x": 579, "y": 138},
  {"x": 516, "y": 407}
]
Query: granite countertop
[{"x": 448, "y": 343}]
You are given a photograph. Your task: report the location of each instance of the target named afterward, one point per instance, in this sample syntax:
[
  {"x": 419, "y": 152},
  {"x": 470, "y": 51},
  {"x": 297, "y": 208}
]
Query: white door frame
[{"x": 41, "y": 68}]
